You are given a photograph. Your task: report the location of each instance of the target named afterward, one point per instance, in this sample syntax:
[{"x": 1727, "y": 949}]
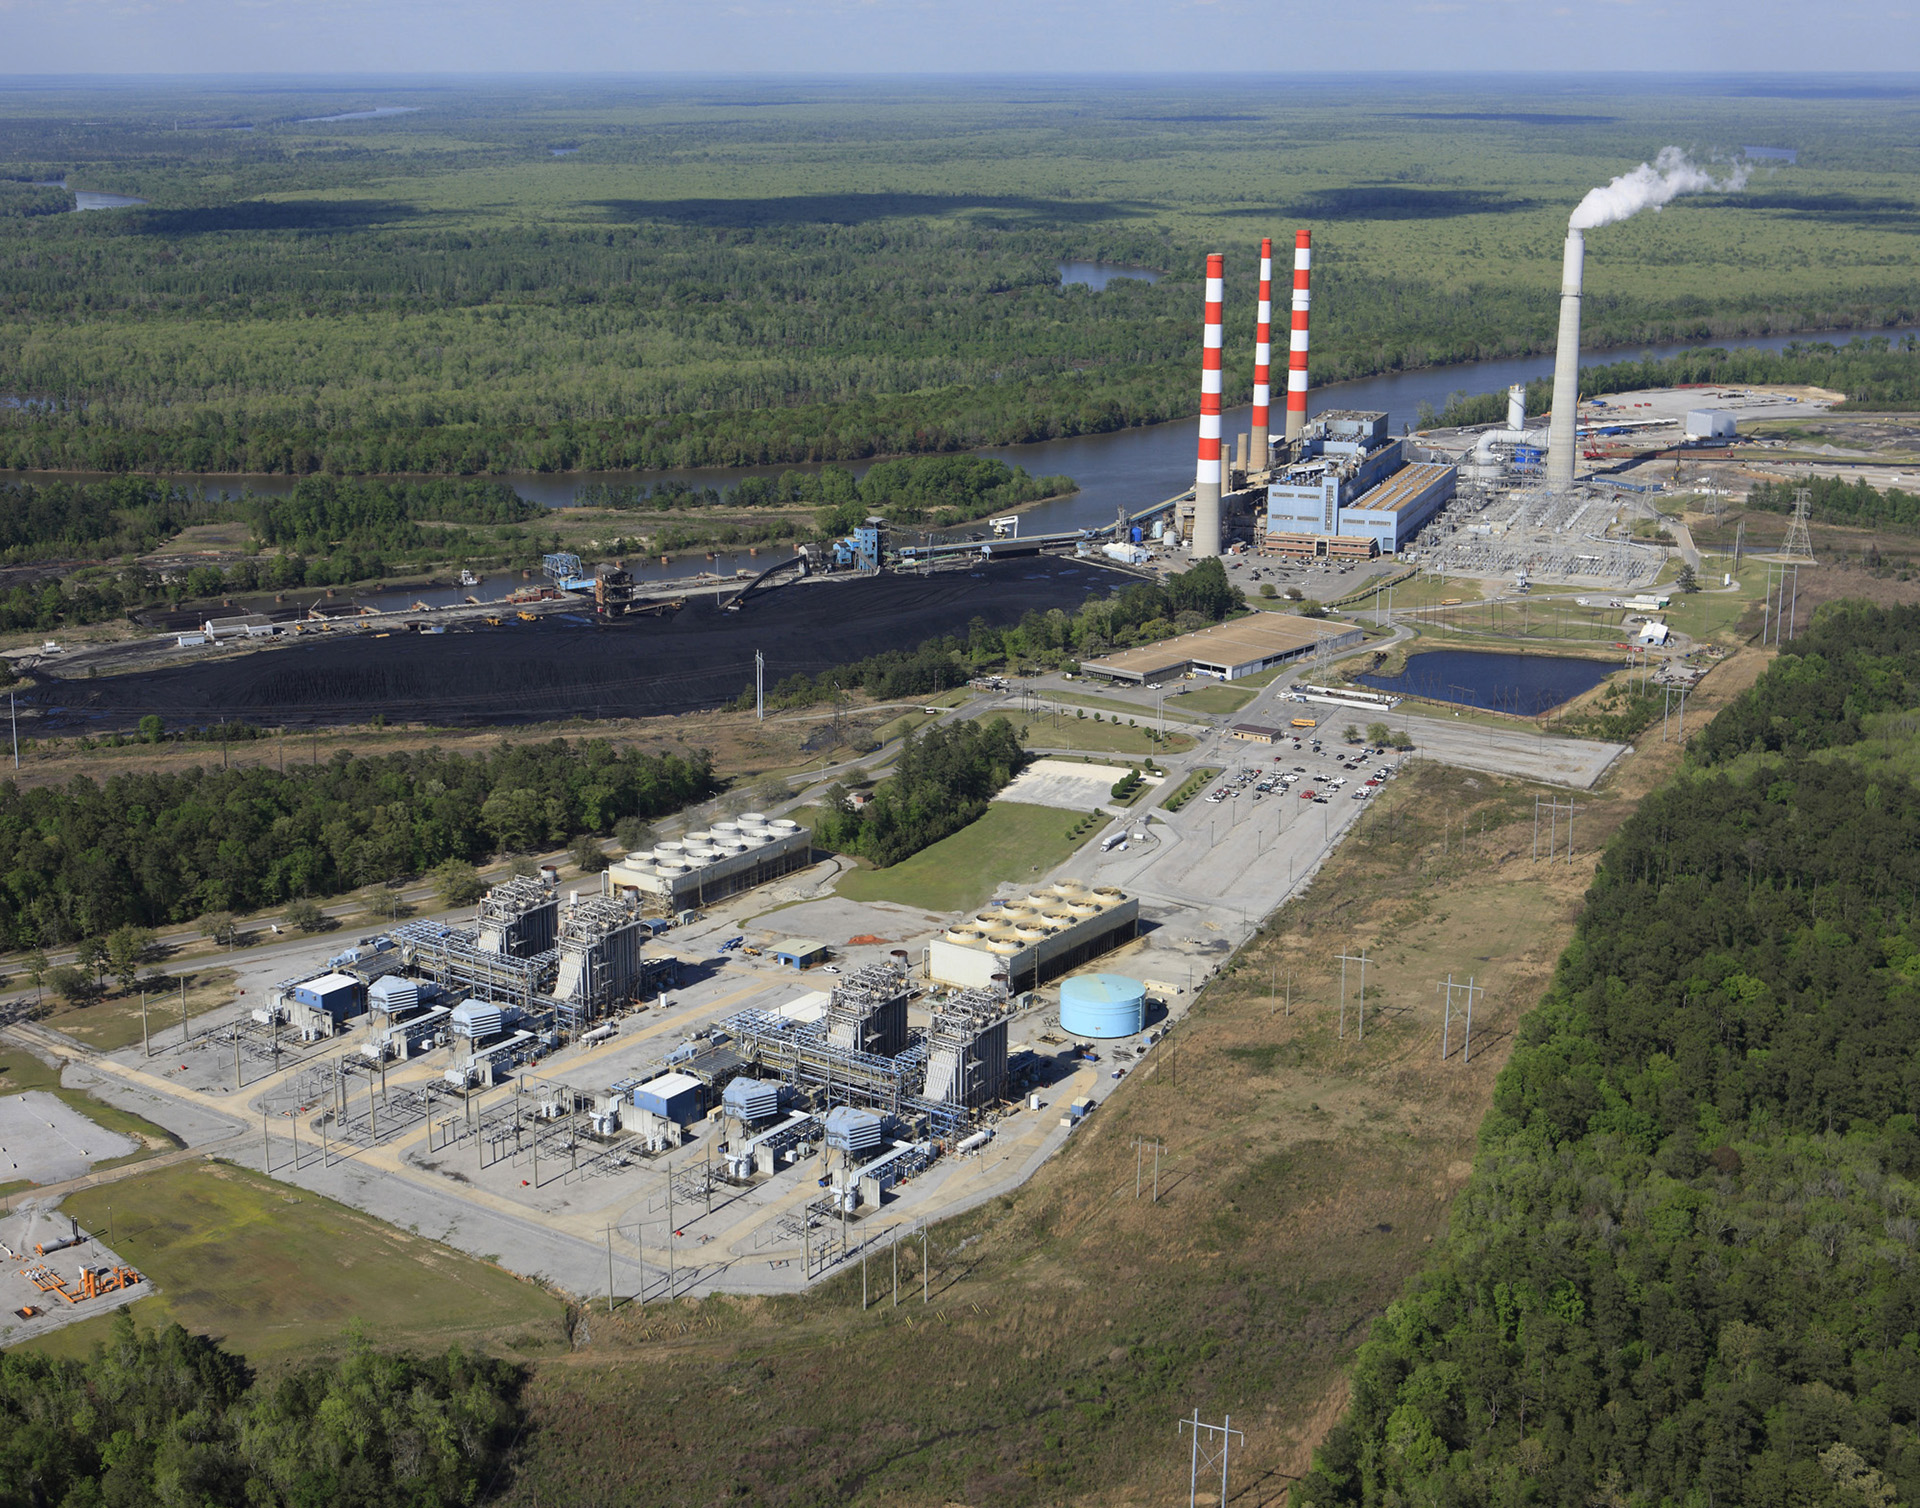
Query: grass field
[
  {"x": 1100, "y": 738},
  {"x": 1302, "y": 1180},
  {"x": 1010, "y": 842},
  {"x": 268, "y": 1268},
  {"x": 114, "y": 1020},
  {"x": 1219, "y": 698}
]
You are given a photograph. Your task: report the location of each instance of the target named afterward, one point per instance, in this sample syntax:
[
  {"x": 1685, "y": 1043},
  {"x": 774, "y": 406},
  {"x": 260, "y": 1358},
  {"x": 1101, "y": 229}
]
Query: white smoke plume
[{"x": 1651, "y": 185}]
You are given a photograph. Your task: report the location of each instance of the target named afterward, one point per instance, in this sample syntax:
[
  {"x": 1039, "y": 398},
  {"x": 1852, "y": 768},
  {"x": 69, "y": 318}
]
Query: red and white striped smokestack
[
  {"x": 1297, "y": 352},
  {"x": 1206, "y": 481},
  {"x": 1262, "y": 357}
]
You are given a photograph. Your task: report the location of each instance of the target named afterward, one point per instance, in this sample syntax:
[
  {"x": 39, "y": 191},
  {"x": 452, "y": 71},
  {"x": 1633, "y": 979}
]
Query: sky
[{"x": 67, "y": 37}]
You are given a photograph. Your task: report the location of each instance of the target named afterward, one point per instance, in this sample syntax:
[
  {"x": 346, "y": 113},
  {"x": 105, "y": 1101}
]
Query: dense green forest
[
  {"x": 1837, "y": 501},
  {"x": 752, "y": 278},
  {"x": 1875, "y": 372},
  {"x": 943, "y": 780},
  {"x": 145, "y": 849},
  {"x": 329, "y": 532},
  {"x": 936, "y": 490},
  {"x": 167, "y": 1417},
  {"x": 1685, "y": 1269},
  {"x": 1142, "y": 612}
]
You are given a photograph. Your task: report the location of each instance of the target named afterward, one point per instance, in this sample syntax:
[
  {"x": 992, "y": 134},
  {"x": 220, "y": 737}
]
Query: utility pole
[
  {"x": 183, "y": 1010},
  {"x": 926, "y": 1269},
  {"x": 609, "y": 1269},
  {"x": 1362, "y": 960},
  {"x": 759, "y": 686},
  {"x": 1469, "y": 989},
  {"x": 146, "y": 1043},
  {"x": 1205, "y": 1455},
  {"x": 13, "y": 709}
]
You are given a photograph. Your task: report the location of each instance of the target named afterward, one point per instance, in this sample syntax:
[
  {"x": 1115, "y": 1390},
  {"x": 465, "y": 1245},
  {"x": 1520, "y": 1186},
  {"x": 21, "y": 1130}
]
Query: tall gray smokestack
[{"x": 1566, "y": 368}]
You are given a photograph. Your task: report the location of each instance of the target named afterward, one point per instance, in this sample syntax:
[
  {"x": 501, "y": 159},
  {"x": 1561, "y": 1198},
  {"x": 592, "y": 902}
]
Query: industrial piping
[
  {"x": 1297, "y": 351},
  {"x": 1562, "y": 427},
  {"x": 1262, "y": 360},
  {"x": 1206, "y": 481}
]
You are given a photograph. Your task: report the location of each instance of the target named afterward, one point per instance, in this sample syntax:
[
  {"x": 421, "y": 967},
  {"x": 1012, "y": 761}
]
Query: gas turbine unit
[{"x": 1649, "y": 186}]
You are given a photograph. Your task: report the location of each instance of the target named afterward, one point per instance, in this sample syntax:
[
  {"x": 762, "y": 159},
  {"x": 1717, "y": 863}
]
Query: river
[{"x": 1128, "y": 468}]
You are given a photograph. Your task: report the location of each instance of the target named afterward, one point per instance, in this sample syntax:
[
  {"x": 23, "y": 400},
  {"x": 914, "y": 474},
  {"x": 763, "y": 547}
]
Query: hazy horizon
[{"x": 309, "y": 38}]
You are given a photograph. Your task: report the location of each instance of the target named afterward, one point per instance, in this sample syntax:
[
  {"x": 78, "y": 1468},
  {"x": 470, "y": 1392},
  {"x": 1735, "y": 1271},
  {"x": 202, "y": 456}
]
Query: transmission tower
[{"x": 1799, "y": 546}]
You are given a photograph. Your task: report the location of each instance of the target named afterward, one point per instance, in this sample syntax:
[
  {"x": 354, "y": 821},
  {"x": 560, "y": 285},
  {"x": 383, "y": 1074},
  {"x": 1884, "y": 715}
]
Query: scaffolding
[
  {"x": 868, "y": 1012},
  {"x": 518, "y": 916},
  {"x": 801, "y": 1056},
  {"x": 452, "y": 958},
  {"x": 967, "y": 1050},
  {"x": 600, "y": 964}
]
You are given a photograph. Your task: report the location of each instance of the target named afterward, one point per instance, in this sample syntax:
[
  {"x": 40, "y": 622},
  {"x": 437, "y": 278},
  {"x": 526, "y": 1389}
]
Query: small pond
[
  {"x": 1096, "y": 275},
  {"x": 1523, "y": 684}
]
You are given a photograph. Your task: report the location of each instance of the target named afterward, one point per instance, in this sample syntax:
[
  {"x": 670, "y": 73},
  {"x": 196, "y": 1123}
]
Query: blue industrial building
[{"x": 1350, "y": 491}]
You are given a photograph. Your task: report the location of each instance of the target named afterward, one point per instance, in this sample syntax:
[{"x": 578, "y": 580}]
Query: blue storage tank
[{"x": 1103, "y": 1005}]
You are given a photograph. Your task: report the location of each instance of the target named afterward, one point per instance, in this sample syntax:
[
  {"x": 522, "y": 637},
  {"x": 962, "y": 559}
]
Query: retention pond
[{"x": 1523, "y": 684}]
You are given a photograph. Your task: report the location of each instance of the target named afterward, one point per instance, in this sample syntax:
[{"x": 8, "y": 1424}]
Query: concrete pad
[
  {"x": 42, "y": 1140},
  {"x": 34, "y": 1222},
  {"x": 1061, "y": 783}
]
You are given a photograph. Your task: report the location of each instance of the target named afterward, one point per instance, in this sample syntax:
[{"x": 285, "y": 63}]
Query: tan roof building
[{"x": 1228, "y": 651}]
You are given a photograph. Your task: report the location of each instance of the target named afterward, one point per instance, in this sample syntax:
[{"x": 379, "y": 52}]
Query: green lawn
[
  {"x": 1219, "y": 698},
  {"x": 1100, "y": 738},
  {"x": 1012, "y": 841},
  {"x": 267, "y": 1267},
  {"x": 1148, "y": 708}
]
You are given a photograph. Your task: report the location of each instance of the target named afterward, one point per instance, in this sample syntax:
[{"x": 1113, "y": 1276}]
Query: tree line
[
  {"x": 943, "y": 780},
  {"x": 937, "y": 490},
  {"x": 148, "y": 849},
  {"x": 1874, "y": 371},
  {"x": 162, "y": 1416},
  {"x": 1687, "y": 1267}
]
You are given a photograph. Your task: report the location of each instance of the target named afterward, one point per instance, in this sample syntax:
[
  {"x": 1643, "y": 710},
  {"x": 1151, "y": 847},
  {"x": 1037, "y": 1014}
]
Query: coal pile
[{"x": 571, "y": 666}]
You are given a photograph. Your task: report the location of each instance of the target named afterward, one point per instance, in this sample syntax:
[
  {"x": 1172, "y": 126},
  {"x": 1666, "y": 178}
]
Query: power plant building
[
  {"x": 1019, "y": 944},
  {"x": 703, "y": 867},
  {"x": 1350, "y": 491},
  {"x": 1228, "y": 651}
]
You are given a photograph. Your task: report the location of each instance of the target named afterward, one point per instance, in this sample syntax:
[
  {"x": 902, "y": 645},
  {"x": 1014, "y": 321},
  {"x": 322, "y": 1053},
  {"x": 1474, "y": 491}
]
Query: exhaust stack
[
  {"x": 1562, "y": 428},
  {"x": 1206, "y": 480},
  {"x": 1297, "y": 351},
  {"x": 1517, "y": 407},
  {"x": 1262, "y": 360}
]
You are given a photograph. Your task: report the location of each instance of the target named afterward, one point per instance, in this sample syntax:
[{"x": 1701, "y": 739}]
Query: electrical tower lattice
[{"x": 1799, "y": 546}]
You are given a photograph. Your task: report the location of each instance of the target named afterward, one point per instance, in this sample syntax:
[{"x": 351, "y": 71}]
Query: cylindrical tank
[{"x": 1102, "y": 1005}]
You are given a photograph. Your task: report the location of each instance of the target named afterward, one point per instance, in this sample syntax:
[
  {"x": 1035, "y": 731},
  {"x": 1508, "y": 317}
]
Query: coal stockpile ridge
[{"x": 553, "y": 669}]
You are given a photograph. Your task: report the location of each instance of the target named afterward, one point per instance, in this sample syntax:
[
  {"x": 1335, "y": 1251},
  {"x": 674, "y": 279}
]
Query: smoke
[{"x": 1651, "y": 185}]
